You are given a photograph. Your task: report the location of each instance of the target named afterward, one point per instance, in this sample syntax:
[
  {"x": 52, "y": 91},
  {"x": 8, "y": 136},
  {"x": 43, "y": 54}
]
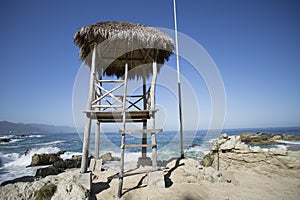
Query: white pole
[{"x": 178, "y": 81}]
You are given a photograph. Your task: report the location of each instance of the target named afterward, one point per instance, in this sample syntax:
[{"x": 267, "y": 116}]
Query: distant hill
[{"x": 10, "y": 127}]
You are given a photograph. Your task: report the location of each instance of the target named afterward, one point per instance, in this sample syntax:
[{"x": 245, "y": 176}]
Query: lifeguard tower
[{"x": 116, "y": 52}]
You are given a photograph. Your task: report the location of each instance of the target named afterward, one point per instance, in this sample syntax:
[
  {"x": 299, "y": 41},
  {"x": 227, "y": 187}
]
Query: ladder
[{"x": 124, "y": 131}]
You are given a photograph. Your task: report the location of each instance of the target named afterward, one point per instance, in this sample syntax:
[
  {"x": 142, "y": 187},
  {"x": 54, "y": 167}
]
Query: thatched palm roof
[{"x": 116, "y": 41}]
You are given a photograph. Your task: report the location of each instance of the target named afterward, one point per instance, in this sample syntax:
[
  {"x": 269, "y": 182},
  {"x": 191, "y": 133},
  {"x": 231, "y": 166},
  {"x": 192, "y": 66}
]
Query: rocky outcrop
[
  {"x": 265, "y": 138},
  {"x": 5, "y": 140},
  {"x": 59, "y": 166},
  {"x": 43, "y": 172},
  {"x": 190, "y": 171},
  {"x": 45, "y": 159},
  {"x": 231, "y": 153},
  {"x": 108, "y": 157},
  {"x": 57, "y": 187}
]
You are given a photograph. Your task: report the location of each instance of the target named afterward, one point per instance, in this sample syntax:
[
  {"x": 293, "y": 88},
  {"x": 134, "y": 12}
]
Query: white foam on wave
[
  {"x": 50, "y": 143},
  {"x": 36, "y": 136},
  {"x": 6, "y": 136},
  {"x": 14, "y": 164},
  {"x": 15, "y": 140},
  {"x": 128, "y": 156},
  {"x": 69, "y": 154},
  {"x": 297, "y": 142},
  {"x": 25, "y": 160},
  {"x": 6, "y": 158}
]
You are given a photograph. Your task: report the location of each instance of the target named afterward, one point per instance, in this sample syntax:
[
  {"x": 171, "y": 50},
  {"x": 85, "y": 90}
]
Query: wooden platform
[{"x": 116, "y": 116}]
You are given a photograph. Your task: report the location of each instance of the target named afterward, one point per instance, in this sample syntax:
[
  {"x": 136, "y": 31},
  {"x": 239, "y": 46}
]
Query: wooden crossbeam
[
  {"x": 110, "y": 94},
  {"x": 107, "y": 106},
  {"x": 110, "y": 81},
  {"x": 138, "y": 145},
  {"x": 111, "y": 104},
  {"x": 107, "y": 92},
  {"x": 140, "y": 131},
  {"x": 134, "y": 104}
]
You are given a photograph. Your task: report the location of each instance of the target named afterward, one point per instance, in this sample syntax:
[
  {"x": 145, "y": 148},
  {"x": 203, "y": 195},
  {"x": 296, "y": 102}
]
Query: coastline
[{"x": 244, "y": 170}]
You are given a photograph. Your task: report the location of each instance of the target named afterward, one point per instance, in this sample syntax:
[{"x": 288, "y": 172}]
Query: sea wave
[
  {"x": 70, "y": 154},
  {"x": 289, "y": 141},
  {"x": 50, "y": 143},
  {"x": 36, "y": 136},
  {"x": 6, "y": 136},
  {"x": 25, "y": 159},
  {"x": 13, "y": 165}
]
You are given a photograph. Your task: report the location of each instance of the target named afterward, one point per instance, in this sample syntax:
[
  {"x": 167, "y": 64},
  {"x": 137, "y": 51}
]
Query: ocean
[{"x": 16, "y": 154}]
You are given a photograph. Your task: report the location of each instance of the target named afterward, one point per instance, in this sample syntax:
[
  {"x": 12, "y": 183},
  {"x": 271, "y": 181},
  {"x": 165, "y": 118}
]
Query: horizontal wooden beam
[
  {"x": 110, "y": 81},
  {"x": 107, "y": 106},
  {"x": 138, "y": 145},
  {"x": 140, "y": 131}
]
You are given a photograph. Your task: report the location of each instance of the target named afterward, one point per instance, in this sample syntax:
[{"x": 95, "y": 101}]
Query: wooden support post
[
  {"x": 152, "y": 116},
  {"x": 144, "y": 139},
  {"x": 97, "y": 139},
  {"x": 87, "y": 129},
  {"x": 121, "y": 174},
  {"x": 97, "y": 128}
]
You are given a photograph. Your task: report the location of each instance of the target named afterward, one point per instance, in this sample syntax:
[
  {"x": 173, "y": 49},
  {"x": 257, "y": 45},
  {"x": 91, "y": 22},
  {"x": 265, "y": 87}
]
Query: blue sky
[{"x": 255, "y": 45}]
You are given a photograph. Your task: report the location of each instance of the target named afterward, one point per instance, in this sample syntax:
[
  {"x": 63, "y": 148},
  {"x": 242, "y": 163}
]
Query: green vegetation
[{"x": 46, "y": 192}]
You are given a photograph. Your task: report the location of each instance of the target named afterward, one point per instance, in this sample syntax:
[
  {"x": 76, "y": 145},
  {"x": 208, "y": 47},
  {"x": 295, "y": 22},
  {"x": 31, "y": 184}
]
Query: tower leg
[
  {"x": 144, "y": 137},
  {"x": 97, "y": 140},
  {"x": 86, "y": 144},
  {"x": 87, "y": 129},
  {"x": 152, "y": 114}
]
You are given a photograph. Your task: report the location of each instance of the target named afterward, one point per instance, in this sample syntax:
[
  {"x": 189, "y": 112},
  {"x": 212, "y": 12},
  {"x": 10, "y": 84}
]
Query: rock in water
[
  {"x": 45, "y": 159},
  {"x": 108, "y": 157},
  {"x": 5, "y": 140},
  {"x": 265, "y": 138},
  {"x": 43, "y": 172}
]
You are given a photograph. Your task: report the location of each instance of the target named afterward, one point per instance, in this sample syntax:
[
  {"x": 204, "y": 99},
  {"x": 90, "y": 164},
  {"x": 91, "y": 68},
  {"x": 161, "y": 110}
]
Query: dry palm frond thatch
[{"x": 118, "y": 41}]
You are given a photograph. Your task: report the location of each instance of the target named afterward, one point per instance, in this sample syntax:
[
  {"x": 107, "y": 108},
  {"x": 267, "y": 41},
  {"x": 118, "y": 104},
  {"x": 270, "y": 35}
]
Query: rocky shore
[{"x": 231, "y": 170}]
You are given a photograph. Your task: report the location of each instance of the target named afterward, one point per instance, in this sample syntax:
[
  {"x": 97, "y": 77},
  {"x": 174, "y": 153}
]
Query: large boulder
[
  {"x": 45, "y": 159},
  {"x": 233, "y": 153},
  {"x": 108, "y": 157},
  {"x": 265, "y": 138},
  {"x": 59, "y": 166},
  {"x": 43, "y": 172},
  {"x": 190, "y": 171}
]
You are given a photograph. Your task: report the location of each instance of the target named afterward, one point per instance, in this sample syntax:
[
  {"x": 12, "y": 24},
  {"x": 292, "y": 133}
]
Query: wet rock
[{"x": 5, "y": 140}]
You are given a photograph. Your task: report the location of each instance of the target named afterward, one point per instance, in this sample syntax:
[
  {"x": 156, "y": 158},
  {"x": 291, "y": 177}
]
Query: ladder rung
[
  {"x": 155, "y": 110},
  {"x": 111, "y": 81},
  {"x": 139, "y": 145},
  {"x": 140, "y": 131},
  {"x": 107, "y": 106}
]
